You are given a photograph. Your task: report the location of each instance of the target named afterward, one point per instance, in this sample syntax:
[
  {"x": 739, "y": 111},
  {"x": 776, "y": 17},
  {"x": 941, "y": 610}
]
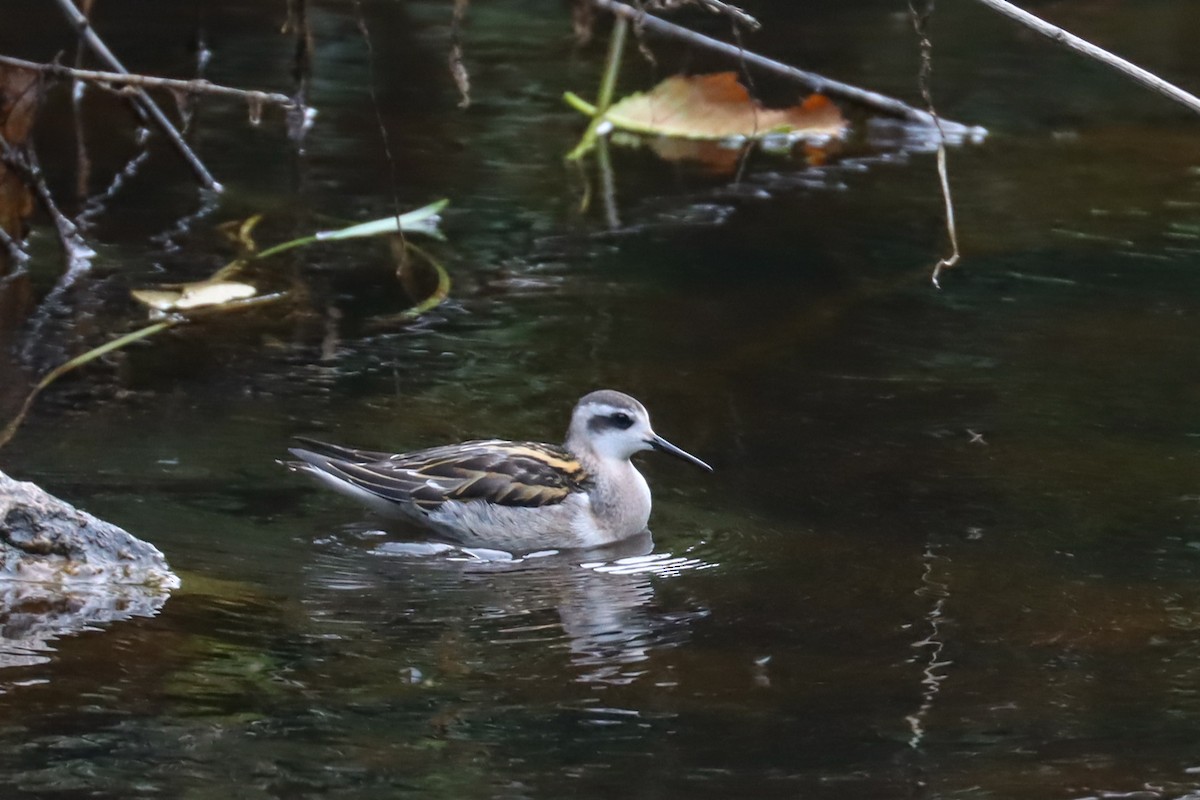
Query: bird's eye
[{"x": 621, "y": 420}]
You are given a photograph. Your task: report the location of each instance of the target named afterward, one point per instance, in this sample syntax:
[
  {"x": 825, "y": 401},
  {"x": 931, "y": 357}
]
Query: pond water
[{"x": 950, "y": 547}]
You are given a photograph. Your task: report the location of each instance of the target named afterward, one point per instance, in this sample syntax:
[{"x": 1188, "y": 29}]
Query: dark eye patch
[{"x": 618, "y": 420}]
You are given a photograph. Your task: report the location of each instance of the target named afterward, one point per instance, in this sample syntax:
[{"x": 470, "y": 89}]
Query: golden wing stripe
[{"x": 550, "y": 459}]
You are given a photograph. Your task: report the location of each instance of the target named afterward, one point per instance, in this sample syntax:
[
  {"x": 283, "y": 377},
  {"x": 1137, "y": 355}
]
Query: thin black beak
[{"x": 659, "y": 443}]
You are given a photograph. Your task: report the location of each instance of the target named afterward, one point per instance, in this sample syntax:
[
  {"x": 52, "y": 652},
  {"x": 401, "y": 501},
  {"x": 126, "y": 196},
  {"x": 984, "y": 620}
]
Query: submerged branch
[
  {"x": 1142, "y": 76},
  {"x": 195, "y": 86},
  {"x": 813, "y": 81}
]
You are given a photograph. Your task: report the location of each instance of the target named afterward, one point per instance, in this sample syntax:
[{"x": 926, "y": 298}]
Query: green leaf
[{"x": 423, "y": 220}]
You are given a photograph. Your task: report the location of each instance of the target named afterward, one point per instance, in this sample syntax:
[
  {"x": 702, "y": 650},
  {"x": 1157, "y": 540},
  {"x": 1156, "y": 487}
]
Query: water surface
[{"x": 951, "y": 543}]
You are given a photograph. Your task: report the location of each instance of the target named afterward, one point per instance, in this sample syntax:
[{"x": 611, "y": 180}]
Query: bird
[{"x": 514, "y": 496}]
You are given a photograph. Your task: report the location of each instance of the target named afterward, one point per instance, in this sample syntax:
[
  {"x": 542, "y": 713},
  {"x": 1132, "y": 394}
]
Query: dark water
[{"x": 951, "y": 546}]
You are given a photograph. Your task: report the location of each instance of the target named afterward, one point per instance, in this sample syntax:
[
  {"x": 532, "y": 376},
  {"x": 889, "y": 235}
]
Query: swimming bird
[{"x": 518, "y": 496}]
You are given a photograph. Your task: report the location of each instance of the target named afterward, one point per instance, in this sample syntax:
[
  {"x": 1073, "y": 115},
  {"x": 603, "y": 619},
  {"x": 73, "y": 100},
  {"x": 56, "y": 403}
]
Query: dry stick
[
  {"x": 1144, "y": 77},
  {"x": 919, "y": 23},
  {"x": 817, "y": 83},
  {"x": 194, "y": 86},
  {"x": 950, "y": 261},
  {"x": 144, "y": 101}
]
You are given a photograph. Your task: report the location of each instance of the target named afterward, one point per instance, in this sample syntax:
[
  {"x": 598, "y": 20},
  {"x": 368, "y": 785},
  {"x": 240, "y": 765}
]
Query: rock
[
  {"x": 44, "y": 540},
  {"x": 62, "y": 571}
]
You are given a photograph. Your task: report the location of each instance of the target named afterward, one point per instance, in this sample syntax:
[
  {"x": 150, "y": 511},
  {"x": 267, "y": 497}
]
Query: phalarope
[{"x": 520, "y": 496}]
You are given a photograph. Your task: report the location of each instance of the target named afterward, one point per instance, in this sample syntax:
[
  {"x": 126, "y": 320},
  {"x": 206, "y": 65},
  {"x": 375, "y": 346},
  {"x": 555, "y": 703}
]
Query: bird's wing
[
  {"x": 342, "y": 453},
  {"x": 523, "y": 474}
]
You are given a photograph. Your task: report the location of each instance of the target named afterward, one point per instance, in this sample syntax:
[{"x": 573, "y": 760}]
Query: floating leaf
[
  {"x": 423, "y": 220},
  {"x": 187, "y": 296},
  {"x": 717, "y": 107}
]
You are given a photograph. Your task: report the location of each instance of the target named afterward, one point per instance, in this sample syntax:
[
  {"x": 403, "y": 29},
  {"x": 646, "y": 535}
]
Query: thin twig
[
  {"x": 737, "y": 15},
  {"x": 919, "y": 22},
  {"x": 1144, "y": 77},
  {"x": 143, "y": 100},
  {"x": 458, "y": 70},
  {"x": 951, "y": 226},
  {"x": 384, "y": 137},
  {"x": 817, "y": 83},
  {"x": 194, "y": 86}
]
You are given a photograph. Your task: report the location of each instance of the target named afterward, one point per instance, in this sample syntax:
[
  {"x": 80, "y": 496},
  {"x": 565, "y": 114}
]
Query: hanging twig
[
  {"x": 734, "y": 13},
  {"x": 817, "y": 83},
  {"x": 1144, "y": 77},
  {"x": 951, "y": 227},
  {"x": 919, "y": 21},
  {"x": 144, "y": 101},
  {"x": 458, "y": 69},
  {"x": 384, "y": 136},
  {"x": 195, "y": 86}
]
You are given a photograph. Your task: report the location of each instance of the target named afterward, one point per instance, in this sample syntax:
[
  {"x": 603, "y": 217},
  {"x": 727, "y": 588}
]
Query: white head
[{"x": 612, "y": 425}]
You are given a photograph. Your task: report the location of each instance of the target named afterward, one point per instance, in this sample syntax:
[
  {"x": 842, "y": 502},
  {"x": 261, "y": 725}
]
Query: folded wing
[{"x": 520, "y": 474}]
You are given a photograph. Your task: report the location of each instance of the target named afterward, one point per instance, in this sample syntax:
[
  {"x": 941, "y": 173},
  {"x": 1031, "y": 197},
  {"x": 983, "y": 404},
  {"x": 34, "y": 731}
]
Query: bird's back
[{"x": 493, "y": 471}]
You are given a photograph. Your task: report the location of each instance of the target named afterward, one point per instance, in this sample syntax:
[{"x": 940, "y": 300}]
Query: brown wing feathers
[{"x": 503, "y": 473}]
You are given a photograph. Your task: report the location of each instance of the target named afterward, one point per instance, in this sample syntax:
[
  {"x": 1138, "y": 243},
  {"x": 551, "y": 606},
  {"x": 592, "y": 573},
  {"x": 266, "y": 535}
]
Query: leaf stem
[{"x": 608, "y": 83}]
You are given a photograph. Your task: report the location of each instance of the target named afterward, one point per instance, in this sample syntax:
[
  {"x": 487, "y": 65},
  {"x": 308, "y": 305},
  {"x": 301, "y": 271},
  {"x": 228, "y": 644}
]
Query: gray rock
[
  {"x": 44, "y": 540},
  {"x": 62, "y": 571}
]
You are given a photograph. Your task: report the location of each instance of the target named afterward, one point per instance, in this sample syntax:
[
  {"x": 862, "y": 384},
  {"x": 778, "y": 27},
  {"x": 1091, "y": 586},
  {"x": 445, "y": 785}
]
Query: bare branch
[
  {"x": 143, "y": 100},
  {"x": 194, "y": 86},
  {"x": 1144, "y": 77}
]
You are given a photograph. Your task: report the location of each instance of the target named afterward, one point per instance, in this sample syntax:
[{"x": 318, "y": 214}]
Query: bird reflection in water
[{"x": 598, "y": 605}]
